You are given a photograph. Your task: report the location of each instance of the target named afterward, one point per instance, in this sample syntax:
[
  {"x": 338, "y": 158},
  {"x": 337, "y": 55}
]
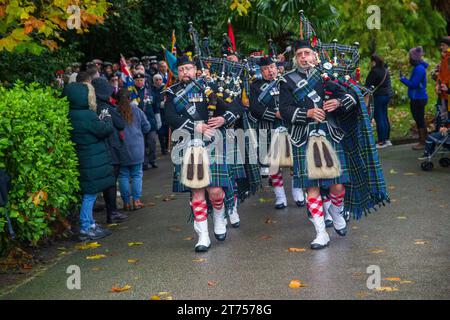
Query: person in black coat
[
  {"x": 144, "y": 100},
  {"x": 313, "y": 105},
  {"x": 158, "y": 104},
  {"x": 103, "y": 92},
  {"x": 380, "y": 79},
  {"x": 94, "y": 161}
]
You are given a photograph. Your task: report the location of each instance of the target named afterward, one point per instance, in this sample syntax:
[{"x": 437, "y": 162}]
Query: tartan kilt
[
  {"x": 237, "y": 167},
  {"x": 251, "y": 182},
  {"x": 300, "y": 176},
  {"x": 221, "y": 176}
]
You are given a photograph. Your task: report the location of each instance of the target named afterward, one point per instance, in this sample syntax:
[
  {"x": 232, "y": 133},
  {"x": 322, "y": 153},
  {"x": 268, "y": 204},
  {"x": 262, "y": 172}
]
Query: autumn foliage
[{"x": 35, "y": 26}]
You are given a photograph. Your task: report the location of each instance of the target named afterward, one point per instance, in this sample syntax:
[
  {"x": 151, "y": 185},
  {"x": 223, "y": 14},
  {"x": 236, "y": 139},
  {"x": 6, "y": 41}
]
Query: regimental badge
[
  {"x": 274, "y": 91},
  {"x": 195, "y": 97},
  {"x": 192, "y": 109}
]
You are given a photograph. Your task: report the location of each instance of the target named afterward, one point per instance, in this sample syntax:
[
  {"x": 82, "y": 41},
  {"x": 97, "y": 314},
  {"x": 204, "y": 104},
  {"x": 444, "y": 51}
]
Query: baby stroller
[{"x": 441, "y": 151}]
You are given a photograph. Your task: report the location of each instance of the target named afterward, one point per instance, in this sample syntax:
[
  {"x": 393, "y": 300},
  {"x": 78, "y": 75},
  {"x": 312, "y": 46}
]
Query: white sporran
[
  {"x": 280, "y": 153},
  {"x": 195, "y": 172},
  {"x": 322, "y": 161}
]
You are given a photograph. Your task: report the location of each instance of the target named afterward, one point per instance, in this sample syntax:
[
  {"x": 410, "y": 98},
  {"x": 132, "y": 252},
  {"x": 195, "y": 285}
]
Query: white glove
[
  {"x": 104, "y": 114},
  {"x": 158, "y": 121},
  {"x": 134, "y": 103}
]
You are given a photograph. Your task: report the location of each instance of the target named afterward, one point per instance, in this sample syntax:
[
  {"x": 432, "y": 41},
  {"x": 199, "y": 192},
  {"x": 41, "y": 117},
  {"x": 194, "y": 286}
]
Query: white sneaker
[
  {"x": 298, "y": 196},
  {"x": 234, "y": 216},
  {"x": 220, "y": 223},
  {"x": 388, "y": 143},
  {"x": 328, "y": 218},
  {"x": 201, "y": 228},
  {"x": 280, "y": 201},
  {"x": 322, "y": 238},
  {"x": 339, "y": 223},
  {"x": 264, "y": 171}
]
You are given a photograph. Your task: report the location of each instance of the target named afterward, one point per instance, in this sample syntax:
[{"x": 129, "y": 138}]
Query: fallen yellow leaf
[
  {"x": 199, "y": 260},
  {"x": 296, "y": 249},
  {"x": 406, "y": 282},
  {"x": 133, "y": 260},
  {"x": 402, "y": 218},
  {"x": 91, "y": 245},
  {"x": 362, "y": 294},
  {"x": 112, "y": 225},
  {"x": 377, "y": 251},
  {"x": 265, "y": 237},
  {"x": 355, "y": 228},
  {"x": 295, "y": 284},
  {"x": 188, "y": 238},
  {"x": 419, "y": 242},
  {"x": 391, "y": 187},
  {"x": 393, "y": 171},
  {"x": 270, "y": 220},
  {"x": 133, "y": 244},
  {"x": 392, "y": 279},
  {"x": 386, "y": 289},
  {"x": 410, "y": 174},
  {"x": 212, "y": 283},
  {"x": 118, "y": 289},
  {"x": 96, "y": 257},
  {"x": 162, "y": 296}
]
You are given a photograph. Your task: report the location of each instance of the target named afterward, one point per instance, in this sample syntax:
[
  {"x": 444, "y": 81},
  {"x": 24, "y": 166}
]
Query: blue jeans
[
  {"x": 87, "y": 205},
  {"x": 135, "y": 173},
  {"x": 431, "y": 141},
  {"x": 381, "y": 117}
]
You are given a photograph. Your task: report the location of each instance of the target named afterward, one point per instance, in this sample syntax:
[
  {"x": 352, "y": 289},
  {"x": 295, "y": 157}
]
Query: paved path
[{"x": 409, "y": 239}]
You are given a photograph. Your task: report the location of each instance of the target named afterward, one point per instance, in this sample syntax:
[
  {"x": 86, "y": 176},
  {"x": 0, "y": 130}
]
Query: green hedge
[{"x": 37, "y": 153}]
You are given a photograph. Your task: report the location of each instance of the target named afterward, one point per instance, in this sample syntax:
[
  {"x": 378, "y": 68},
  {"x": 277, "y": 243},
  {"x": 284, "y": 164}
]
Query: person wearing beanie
[
  {"x": 264, "y": 102},
  {"x": 417, "y": 93},
  {"x": 103, "y": 93},
  {"x": 307, "y": 98}
]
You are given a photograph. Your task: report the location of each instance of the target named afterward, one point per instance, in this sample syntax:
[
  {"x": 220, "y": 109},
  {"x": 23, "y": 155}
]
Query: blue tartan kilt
[
  {"x": 238, "y": 171},
  {"x": 300, "y": 176},
  {"x": 222, "y": 175}
]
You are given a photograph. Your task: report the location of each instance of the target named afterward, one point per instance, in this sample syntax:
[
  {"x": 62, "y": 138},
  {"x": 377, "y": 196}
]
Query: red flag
[{"x": 231, "y": 35}]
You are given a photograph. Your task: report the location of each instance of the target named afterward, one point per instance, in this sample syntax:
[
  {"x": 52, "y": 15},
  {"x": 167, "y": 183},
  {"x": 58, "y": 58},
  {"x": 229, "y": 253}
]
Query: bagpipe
[
  {"x": 333, "y": 60},
  {"x": 280, "y": 151}
]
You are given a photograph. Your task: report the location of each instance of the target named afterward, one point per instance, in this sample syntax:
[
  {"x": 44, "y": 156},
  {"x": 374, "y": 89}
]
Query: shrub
[{"x": 37, "y": 153}]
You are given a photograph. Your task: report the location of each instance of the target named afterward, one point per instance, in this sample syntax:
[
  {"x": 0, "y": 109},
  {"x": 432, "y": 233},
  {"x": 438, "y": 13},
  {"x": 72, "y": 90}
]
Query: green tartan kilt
[
  {"x": 300, "y": 176},
  {"x": 250, "y": 182},
  {"x": 237, "y": 168},
  {"x": 274, "y": 125},
  {"x": 221, "y": 176}
]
